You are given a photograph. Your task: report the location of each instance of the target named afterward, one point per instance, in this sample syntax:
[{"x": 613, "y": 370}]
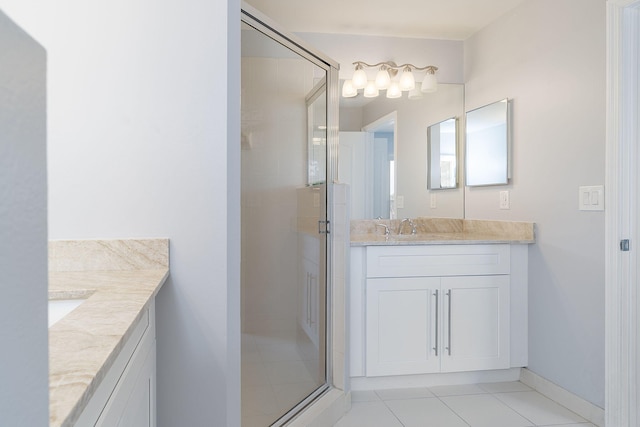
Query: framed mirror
[
  {"x": 488, "y": 145},
  {"x": 442, "y": 155}
]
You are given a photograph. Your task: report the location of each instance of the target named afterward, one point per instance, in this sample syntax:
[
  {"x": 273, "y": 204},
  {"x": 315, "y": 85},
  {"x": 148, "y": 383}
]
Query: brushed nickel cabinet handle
[
  {"x": 449, "y": 323},
  {"x": 437, "y": 316}
]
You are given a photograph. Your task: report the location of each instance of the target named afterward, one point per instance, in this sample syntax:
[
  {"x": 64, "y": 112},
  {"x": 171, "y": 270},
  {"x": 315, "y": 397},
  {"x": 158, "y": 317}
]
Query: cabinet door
[
  {"x": 139, "y": 409},
  {"x": 133, "y": 400},
  {"x": 401, "y": 326},
  {"x": 475, "y": 323}
]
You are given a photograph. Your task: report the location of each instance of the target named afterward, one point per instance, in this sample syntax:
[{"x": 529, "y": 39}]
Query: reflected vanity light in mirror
[
  {"x": 442, "y": 143},
  {"x": 487, "y": 145}
]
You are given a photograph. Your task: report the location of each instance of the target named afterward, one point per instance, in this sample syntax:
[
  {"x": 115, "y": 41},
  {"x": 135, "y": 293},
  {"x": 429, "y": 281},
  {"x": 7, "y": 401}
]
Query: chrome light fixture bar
[{"x": 385, "y": 80}]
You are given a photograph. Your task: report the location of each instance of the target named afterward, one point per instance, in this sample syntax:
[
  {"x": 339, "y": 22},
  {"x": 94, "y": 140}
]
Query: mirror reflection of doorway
[
  {"x": 380, "y": 150},
  {"x": 368, "y": 165},
  {"x": 283, "y": 208}
]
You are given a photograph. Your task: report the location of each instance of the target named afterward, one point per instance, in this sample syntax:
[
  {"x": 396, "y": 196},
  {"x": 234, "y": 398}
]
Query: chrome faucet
[
  {"x": 413, "y": 226},
  {"x": 386, "y": 229}
]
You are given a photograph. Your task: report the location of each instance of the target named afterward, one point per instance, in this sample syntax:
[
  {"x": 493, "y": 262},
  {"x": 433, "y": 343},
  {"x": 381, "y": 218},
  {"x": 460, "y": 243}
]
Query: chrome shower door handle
[{"x": 323, "y": 227}]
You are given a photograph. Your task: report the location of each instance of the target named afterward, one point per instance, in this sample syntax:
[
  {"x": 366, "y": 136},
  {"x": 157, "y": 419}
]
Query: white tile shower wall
[{"x": 273, "y": 165}]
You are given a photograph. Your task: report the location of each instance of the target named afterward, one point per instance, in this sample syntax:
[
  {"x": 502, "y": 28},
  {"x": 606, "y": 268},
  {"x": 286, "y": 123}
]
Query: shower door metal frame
[{"x": 265, "y": 25}]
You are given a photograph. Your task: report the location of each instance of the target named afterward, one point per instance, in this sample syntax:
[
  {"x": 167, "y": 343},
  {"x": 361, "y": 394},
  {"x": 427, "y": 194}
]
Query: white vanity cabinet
[
  {"x": 127, "y": 394},
  {"x": 437, "y": 308},
  {"x": 309, "y": 286},
  {"x": 428, "y": 324}
]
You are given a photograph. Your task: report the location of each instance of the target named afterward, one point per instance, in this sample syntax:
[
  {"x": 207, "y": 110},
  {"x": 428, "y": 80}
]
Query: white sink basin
[{"x": 58, "y": 308}]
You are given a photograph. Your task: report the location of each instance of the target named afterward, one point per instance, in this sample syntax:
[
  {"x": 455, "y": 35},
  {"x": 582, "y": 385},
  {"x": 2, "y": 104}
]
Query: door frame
[{"x": 621, "y": 216}]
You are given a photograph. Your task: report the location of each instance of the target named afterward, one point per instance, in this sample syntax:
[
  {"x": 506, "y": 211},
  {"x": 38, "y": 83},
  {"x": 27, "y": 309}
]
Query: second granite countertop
[{"x": 440, "y": 231}]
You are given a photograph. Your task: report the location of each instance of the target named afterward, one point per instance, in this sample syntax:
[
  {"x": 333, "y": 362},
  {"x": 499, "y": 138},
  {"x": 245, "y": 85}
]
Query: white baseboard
[
  {"x": 432, "y": 380},
  {"x": 585, "y": 409}
]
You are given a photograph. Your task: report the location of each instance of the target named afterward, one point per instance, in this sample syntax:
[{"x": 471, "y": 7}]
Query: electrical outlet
[
  {"x": 504, "y": 200},
  {"x": 433, "y": 201}
]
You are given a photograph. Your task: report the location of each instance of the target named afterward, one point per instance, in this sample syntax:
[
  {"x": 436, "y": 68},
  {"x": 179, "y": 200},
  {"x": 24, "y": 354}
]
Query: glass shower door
[{"x": 284, "y": 205}]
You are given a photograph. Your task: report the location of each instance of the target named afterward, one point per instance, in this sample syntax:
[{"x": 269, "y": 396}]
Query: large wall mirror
[
  {"x": 406, "y": 154},
  {"x": 488, "y": 145}
]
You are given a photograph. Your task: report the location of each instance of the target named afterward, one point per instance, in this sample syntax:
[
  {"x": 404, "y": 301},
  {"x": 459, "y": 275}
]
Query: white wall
[
  {"x": 549, "y": 57},
  {"x": 24, "y": 364},
  {"x": 143, "y": 98}
]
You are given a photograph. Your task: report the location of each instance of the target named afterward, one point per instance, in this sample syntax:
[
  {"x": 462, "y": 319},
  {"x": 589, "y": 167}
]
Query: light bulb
[
  {"x": 348, "y": 91},
  {"x": 359, "y": 78},
  {"x": 407, "y": 81},
  {"x": 382, "y": 78},
  {"x": 371, "y": 91},
  {"x": 393, "y": 91},
  {"x": 430, "y": 83}
]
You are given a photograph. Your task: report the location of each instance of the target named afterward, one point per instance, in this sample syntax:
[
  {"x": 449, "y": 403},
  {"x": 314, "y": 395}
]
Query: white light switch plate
[
  {"x": 400, "y": 202},
  {"x": 433, "y": 201},
  {"x": 591, "y": 198}
]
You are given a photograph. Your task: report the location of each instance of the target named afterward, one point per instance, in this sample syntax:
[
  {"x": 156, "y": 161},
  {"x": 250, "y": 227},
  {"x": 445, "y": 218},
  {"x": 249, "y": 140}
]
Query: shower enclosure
[{"x": 285, "y": 194}]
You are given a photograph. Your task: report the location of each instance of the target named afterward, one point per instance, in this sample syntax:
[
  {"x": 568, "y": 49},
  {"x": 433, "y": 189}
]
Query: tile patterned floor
[{"x": 510, "y": 404}]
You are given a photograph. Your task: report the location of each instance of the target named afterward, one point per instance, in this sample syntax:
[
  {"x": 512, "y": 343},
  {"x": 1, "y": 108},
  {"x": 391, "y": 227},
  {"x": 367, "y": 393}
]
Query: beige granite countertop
[
  {"x": 120, "y": 279},
  {"x": 441, "y": 231}
]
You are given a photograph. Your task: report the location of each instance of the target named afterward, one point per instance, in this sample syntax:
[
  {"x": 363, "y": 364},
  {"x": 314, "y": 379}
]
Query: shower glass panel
[{"x": 284, "y": 205}]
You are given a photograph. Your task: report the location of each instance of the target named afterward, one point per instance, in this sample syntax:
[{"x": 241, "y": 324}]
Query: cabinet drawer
[{"x": 437, "y": 260}]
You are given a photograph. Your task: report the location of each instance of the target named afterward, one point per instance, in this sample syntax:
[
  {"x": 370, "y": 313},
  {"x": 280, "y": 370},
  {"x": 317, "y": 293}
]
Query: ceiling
[{"x": 431, "y": 19}]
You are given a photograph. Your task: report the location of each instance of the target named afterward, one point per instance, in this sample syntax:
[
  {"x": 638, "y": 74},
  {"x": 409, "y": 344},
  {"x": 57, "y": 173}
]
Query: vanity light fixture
[{"x": 384, "y": 80}]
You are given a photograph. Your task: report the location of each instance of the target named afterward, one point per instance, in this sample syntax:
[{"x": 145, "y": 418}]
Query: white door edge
[{"x": 621, "y": 215}]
